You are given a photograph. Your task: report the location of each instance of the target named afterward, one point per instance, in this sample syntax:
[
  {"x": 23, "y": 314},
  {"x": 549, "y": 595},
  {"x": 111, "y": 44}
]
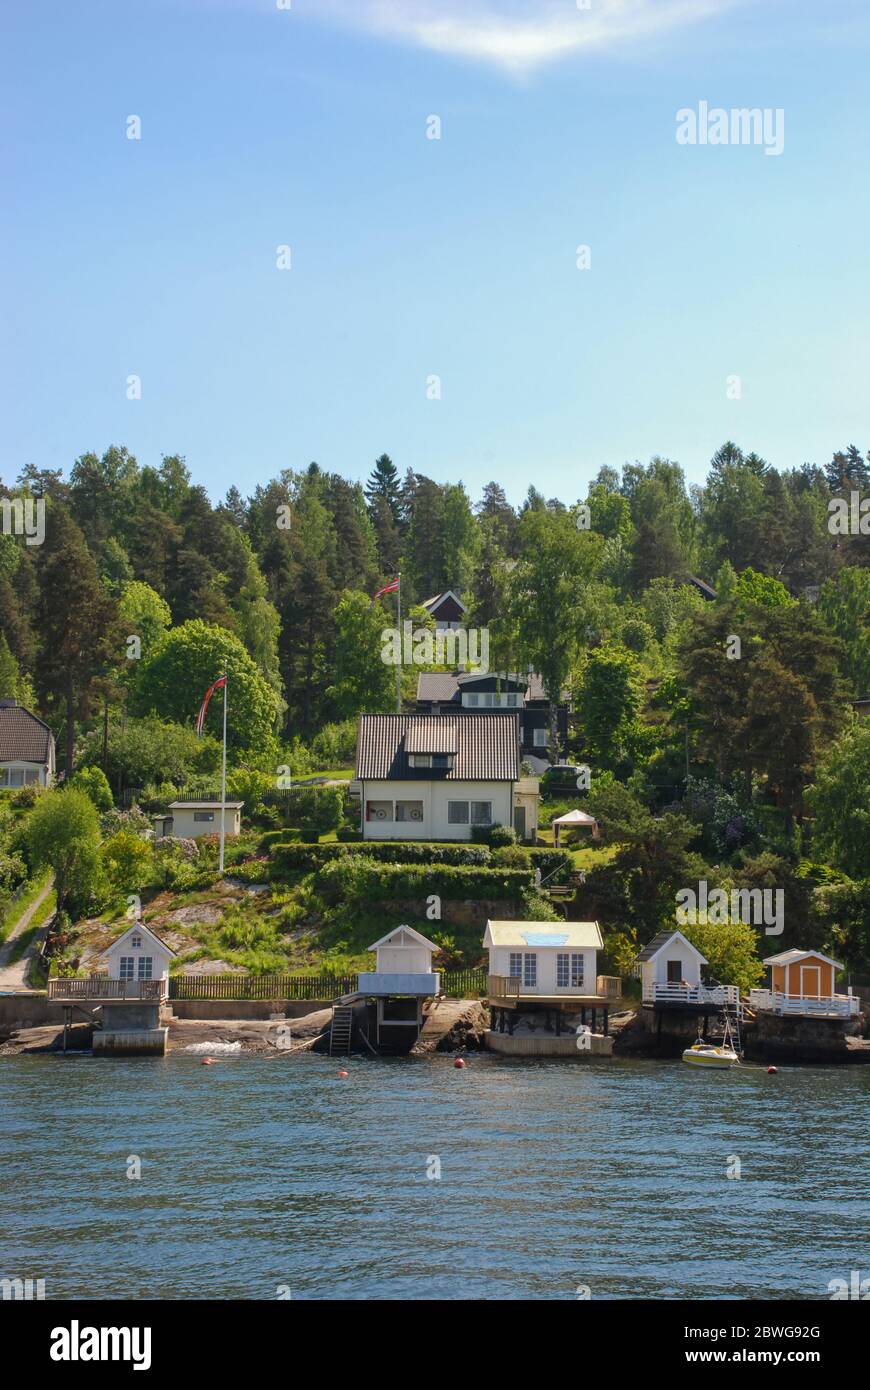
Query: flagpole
[
  {"x": 224, "y": 776},
  {"x": 399, "y": 624}
]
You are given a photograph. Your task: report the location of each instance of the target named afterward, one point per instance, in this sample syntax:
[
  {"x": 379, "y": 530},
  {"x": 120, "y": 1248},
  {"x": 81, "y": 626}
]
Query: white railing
[
  {"x": 659, "y": 993},
  {"x": 831, "y": 1006}
]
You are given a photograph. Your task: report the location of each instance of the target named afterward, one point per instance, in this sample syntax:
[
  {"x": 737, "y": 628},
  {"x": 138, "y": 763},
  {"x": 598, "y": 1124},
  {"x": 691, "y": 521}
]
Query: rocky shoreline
[{"x": 460, "y": 1025}]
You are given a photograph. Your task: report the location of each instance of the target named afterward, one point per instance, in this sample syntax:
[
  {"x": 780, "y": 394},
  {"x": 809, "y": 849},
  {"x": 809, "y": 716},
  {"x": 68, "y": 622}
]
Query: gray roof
[
  {"x": 487, "y": 746},
  {"x": 663, "y": 937},
  {"x": 443, "y": 687},
  {"x": 23, "y": 737}
]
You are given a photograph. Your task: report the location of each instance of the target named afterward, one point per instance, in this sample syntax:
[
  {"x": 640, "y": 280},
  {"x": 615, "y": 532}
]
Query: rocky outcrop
[
  {"x": 454, "y": 1025},
  {"x": 793, "y": 1038}
]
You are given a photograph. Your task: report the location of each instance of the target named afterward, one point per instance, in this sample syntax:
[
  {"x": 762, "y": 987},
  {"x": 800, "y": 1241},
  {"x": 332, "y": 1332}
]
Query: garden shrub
[{"x": 363, "y": 879}]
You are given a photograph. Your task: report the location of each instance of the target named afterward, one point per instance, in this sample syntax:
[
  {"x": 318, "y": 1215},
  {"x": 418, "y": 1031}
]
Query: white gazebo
[{"x": 573, "y": 820}]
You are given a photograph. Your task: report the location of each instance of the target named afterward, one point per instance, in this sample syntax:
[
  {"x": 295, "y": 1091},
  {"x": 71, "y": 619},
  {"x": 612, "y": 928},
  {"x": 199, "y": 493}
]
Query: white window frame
[
  {"x": 477, "y": 819},
  {"x": 205, "y": 817},
  {"x": 145, "y": 969},
  {"x": 530, "y": 970},
  {"x": 453, "y": 819},
  {"x": 400, "y": 807},
  {"x": 540, "y": 738},
  {"x": 389, "y": 810},
  {"x": 127, "y": 968},
  {"x": 515, "y": 965}
]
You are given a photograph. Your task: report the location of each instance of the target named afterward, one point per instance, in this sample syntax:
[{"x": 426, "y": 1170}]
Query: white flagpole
[
  {"x": 224, "y": 776},
  {"x": 401, "y": 638}
]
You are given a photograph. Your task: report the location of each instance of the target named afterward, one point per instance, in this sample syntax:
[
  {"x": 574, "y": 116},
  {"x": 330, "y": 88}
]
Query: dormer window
[{"x": 439, "y": 762}]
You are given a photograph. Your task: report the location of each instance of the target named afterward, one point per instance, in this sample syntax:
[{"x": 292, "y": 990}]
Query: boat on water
[{"x": 704, "y": 1054}]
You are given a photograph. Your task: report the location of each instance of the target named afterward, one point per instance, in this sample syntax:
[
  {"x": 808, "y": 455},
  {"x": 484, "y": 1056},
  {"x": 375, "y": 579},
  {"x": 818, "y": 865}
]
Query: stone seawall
[{"x": 777, "y": 1038}]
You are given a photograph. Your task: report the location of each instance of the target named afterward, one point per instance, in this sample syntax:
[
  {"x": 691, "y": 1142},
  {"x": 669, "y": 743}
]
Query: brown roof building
[{"x": 26, "y": 748}]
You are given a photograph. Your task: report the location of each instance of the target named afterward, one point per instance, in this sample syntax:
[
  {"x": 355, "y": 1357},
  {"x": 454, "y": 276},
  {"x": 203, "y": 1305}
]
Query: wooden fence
[
  {"x": 457, "y": 983},
  {"x": 260, "y": 986}
]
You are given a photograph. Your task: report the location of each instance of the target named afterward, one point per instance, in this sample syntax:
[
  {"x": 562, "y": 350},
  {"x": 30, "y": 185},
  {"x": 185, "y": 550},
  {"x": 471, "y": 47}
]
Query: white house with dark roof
[
  {"x": 139, "y": 954},
  {"x": 509, "y": 691},
  {"x": 669, "y": 968},
  {"x": 436, "y": 777},
  {"x": 26, "y": 748}
]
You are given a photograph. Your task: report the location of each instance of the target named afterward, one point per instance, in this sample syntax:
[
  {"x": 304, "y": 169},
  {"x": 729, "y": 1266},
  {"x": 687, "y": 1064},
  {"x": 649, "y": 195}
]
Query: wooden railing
[
  {"x": 100, "y": 987},
  {"x": 503, "y": 986},
  {"x": 229, "y": 986},
  {"x": 457, "y": 983}
]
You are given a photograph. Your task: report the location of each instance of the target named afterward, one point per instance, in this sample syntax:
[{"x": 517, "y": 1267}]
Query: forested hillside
[{"x": 724, "y": 726}]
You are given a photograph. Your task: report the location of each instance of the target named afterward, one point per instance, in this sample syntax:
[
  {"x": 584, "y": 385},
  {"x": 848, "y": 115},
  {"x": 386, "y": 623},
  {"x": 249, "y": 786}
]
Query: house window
[
  {"x": 127, "y": 964},
  {"x": 16, "y": 777},
  {"x": 4, "y": 776},
  {"x": 481, "y": 813},
  {"x": 379, "y": 810},
  {"x": 409, "y": 810},
  {"x": 472, "y": 700},
  {"x": 30, "y": 778},
  {"x": 420, "y": 759},
  {"x": 442, "y": 760},
  {"x": 146, "y": 966},
  {"x": 569, "y": 970},
  {"x": 516, "y": 965},
  {"x": 135, "y": 942},
  {"x": 675, "y": 972},
  {"x": 457, "y": 813},
  {"x": 530, "y": 970},
  {"x": 203, "y": 815},
  {"x": 539, "y": 738}
]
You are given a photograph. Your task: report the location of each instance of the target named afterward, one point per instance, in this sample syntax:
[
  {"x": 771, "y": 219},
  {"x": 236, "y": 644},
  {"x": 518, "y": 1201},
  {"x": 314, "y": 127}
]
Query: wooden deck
[
  {"x": 505, "y": 992},
  {"x": 98, "y": 987}
]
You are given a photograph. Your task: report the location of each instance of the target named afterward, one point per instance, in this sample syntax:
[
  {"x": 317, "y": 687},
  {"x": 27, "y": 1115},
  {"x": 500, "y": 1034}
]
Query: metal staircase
[{"x": 340, "y": 1030}]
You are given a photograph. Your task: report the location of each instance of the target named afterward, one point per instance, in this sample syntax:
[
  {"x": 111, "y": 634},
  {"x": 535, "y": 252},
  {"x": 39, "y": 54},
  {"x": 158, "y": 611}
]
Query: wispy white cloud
[{"x": 518, "y": 35}]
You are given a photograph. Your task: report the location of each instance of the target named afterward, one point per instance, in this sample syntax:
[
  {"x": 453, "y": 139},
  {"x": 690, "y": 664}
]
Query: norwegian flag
[
  {"x": 203, "y": 709},
  {"x": 387, "y": 589}
]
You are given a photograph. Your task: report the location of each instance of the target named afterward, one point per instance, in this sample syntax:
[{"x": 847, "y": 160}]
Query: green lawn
[{"x": 19, "y": 906}]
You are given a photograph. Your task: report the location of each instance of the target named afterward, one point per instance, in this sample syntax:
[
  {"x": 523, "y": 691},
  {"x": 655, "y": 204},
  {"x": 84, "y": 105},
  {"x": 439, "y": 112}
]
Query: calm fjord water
[{"x": 263, "y": 1172}]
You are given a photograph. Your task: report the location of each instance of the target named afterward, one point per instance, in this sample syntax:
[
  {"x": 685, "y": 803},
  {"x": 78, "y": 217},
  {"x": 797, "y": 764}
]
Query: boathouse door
[{"x": 811, "y": 982}]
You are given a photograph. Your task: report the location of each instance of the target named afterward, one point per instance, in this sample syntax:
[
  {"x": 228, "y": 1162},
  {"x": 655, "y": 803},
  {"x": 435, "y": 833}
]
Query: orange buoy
[
  {"x": 344, "y": 1073},
  {"x": 459, "y": 1062}
]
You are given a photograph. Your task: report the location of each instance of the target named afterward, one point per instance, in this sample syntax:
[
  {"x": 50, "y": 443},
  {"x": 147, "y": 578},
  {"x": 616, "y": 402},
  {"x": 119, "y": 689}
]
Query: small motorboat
[{"x": 704, "y": 1054}]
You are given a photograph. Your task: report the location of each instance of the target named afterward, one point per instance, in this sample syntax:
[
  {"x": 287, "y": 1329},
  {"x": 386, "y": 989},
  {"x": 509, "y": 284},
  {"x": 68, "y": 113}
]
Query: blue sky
[{"x": 414, "y": 257}]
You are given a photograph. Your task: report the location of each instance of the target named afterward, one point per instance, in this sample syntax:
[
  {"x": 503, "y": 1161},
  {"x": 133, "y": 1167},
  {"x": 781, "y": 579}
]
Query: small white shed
[
  {"x": 188, "y": 820},
  {"x": 403, "y": 965},
  {"x": 669, "y": 964},
  {"x": 138, "y": 954}
]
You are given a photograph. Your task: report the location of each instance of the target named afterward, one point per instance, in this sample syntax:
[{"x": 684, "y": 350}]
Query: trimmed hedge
[
  {"x": 367, "y": 881},
  {"x": 549, "y": 859},
  {"x": 291, "y": 858}
]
